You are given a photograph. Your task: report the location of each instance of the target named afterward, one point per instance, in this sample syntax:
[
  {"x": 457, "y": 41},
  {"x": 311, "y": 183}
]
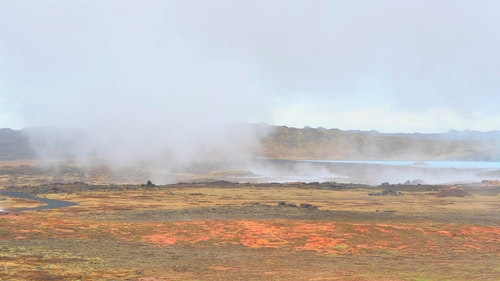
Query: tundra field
[{"x": 225, "y": 230}]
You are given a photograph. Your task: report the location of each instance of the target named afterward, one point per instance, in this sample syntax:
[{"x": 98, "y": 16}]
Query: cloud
[
  {"x": 186, "y": 64},
  {"x": 383, "y": 117}
]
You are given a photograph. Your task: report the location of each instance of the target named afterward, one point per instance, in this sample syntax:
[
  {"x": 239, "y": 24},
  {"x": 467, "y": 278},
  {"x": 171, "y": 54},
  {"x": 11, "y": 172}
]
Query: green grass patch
[{"x": 340, "y": 247}]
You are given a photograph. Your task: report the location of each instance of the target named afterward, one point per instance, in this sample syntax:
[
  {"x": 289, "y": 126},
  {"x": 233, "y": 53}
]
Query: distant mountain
[
  {"x": 14, "y": 145},
  {"x": 281, "y": 142},
  {"x": 309, "y": 143},
  {"x": 454, "y": 135}
]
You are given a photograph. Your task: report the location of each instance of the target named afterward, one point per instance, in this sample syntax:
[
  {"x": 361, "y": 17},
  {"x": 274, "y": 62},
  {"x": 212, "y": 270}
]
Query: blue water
[
  {"x": 430, "y": 164},
  {"x": 51, "y": 203}
]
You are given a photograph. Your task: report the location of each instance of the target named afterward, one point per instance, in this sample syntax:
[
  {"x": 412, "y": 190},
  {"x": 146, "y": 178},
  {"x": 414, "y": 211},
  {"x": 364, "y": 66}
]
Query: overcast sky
[{"x": 392, "y": 66}]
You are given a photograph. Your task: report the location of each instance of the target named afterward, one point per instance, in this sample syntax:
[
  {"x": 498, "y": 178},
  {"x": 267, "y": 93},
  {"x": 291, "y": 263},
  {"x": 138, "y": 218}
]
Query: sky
[{"x": 194, "y": 66}]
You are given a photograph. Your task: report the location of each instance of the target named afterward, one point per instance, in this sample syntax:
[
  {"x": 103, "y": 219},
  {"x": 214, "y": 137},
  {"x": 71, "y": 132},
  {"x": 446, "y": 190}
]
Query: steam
[
  {"x": 139, "y": 88},
  {"x": 293, "y": 171},
  {"x": 158, "y": 155},
  {"x": 161, "y": 83},
  {"x": 374, "y": 172}
]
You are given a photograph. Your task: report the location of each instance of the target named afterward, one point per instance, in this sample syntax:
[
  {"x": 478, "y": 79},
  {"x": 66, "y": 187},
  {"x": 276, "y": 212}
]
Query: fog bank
[{"x": 160, "y": 82}]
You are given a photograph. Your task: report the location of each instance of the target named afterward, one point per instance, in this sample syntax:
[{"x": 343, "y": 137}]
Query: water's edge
[
  {"x": 50, "y": 203},
  {"x": 419, "y": 163}
]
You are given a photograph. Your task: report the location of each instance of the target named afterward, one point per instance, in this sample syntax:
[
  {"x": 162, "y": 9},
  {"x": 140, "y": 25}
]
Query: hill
[
  {"x": 14, "y": 145},
  {"x": 281, "y": 142},
  {"x": 310, "y": 143}
]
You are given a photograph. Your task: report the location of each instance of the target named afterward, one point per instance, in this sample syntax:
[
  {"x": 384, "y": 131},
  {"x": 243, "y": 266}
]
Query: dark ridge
[{"x": 14, "y": 145}]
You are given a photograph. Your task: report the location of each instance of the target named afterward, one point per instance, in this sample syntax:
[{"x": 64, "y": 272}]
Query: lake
[
  {"x": 413, "y": 163},
  {"x": 374, "y": 172}
]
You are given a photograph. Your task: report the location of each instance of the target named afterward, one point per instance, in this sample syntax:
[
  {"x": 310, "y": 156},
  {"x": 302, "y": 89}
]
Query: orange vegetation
[{"x": 319, "y": 237}]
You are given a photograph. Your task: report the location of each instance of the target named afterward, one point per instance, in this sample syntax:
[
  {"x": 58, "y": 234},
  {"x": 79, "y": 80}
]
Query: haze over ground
[{"x": 142, "y": 74}]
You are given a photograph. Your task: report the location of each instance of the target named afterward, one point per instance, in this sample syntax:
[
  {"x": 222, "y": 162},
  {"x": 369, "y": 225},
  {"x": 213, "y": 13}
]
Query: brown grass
[
  {"x": 240, "y": 232},
  {"x": 183, "y": 233}
]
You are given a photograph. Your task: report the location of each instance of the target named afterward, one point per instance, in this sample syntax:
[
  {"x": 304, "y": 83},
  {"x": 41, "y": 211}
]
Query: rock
[
  {"x": 453, "y": 192},
  {"x": 307, "y": 206},
  {"x": 386, "y": 192}
]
